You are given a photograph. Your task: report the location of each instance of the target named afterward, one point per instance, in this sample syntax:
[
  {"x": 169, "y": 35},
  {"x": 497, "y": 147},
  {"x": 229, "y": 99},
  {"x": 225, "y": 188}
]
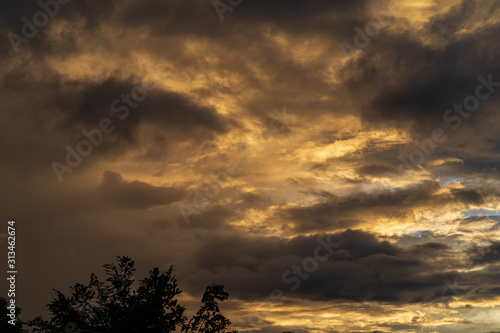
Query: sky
[{"x": 334, "y": 164}]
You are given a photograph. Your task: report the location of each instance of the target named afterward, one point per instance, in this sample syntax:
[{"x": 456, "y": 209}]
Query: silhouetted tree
[
  {"x": 115, "y": 307},
  {"x": 209, "y": 319}
]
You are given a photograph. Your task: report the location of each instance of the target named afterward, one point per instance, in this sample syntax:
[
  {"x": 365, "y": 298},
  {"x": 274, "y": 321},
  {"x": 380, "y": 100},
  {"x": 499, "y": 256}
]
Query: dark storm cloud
[
  {"x": 486, "y": 254},
  {"x": 59, "y": 110},
  {"x": 338, "y": 212},
  {"x": 362, "y": 268},
  {"x": 468, "y": 196},
  {"x": 471, "y": 164},
  {"x": 420, "y": 81},
  {"x": 173, "y": 112},
  {"x": 427, "y": 248}
]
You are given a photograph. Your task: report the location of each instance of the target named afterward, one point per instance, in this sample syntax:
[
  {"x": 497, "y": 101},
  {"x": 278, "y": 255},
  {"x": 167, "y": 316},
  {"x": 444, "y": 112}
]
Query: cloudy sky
[{"x": 332, "y": 163}]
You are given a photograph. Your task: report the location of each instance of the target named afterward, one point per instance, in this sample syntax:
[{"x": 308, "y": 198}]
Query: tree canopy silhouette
[{"x": 115, "y": 306}]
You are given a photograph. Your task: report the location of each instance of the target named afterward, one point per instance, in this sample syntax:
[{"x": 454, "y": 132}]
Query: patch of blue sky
[
  {"x": 447, "y": 180},
  {"x": 421, "y": 233},
  {"x": 480, "y": 212}
]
